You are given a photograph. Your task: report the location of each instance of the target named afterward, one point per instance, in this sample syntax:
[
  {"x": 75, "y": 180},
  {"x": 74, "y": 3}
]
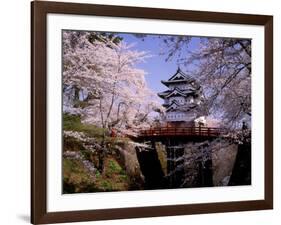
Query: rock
[
  {"x": 224, "y": 181},
  {"x": 223, "y": 158},
  {"x": 131, "y": 165}
]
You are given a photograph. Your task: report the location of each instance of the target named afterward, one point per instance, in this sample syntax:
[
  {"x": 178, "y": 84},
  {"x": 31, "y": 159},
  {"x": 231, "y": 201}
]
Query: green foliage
[
  {"x": 106, "y": 185},
  {"x": 70, "y": 121},
  {"x": 103, "y": 35},
  {"x": 98, "y": 174},
  {"x": 72, "y": 144},
  {"x": 114, "y": 167},
  {"x": 123, "y": 177},
  {"x": 73, "y": 123},
  {"x": 86, "y": 154},
  {"x": 76, "y": 179},
  {"x": 114, "y": 177},
  {"x": 80, "y": 104}
]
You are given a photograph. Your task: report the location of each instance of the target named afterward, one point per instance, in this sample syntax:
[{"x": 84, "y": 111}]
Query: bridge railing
[{"x": 182, "y": 131}]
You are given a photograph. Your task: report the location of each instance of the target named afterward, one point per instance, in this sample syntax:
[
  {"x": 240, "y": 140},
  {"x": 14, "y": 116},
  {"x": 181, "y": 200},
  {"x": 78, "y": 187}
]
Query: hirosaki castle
[{"x": 182, "y": 98}]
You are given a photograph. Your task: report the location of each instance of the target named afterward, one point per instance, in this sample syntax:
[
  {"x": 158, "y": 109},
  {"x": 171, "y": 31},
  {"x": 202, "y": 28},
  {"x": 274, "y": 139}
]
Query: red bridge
[{"x": 182, "y": 132}]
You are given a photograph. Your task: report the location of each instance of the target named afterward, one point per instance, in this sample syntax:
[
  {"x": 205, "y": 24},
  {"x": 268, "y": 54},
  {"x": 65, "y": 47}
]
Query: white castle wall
[{"x": 180, "y": 116}]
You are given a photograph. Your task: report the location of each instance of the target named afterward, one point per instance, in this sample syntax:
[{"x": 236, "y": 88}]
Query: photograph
[
  {"x": 140, "y": 111},
  {"x": 145, "y": 111}
]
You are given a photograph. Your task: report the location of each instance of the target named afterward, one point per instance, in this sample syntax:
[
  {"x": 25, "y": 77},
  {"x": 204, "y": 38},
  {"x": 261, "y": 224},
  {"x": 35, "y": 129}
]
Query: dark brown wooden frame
[{"x": 39, "y": 11}]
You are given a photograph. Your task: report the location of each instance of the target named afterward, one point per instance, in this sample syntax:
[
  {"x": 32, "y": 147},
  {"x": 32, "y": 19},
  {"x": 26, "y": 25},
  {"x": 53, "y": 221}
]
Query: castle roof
[
  {"x": 172, "y": 106},
  {"x": 167, "y": 105},
  {"x": 178, "y": 77},
  {"x": 176, "y": 92}
]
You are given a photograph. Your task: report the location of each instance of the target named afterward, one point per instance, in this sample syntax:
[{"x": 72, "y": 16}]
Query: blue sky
[{"x": 156, "y": 67}]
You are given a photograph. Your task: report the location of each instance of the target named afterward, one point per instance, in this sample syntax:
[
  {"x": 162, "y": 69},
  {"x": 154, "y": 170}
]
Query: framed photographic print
[{"x": 143, "y": 112}]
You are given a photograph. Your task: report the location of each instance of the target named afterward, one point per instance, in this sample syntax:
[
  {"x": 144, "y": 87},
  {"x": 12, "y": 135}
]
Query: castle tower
[
  {"x": 182, "y": 101},
  {"x": 182, "y": 98}
]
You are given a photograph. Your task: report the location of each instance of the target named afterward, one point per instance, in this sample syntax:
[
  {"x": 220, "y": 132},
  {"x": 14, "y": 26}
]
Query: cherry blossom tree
[
  {"x": 102, "y": 75},
  {"x": 223, "y": 68}
]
